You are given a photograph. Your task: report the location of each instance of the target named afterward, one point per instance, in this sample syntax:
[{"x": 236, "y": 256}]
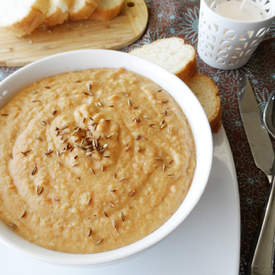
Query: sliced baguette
[
  {"x": 58, "y": 12},
  {"x": 208, "y": 94},
  {"x": 172, "y": 54},
  {"x": 23, "y": 16},
  {"x": 107, "y": 10},
  {"x": 82, "y": 9}
]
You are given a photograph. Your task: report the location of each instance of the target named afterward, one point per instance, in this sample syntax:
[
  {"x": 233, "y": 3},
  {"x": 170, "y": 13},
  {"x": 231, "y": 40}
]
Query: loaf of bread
[
  {"x": 179, "y": 58},
  {"x": 23, "y": 16}
]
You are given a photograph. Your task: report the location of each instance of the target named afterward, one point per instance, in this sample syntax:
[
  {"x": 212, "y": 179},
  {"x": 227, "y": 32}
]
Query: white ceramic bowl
[{"x": 84, "y": 59}]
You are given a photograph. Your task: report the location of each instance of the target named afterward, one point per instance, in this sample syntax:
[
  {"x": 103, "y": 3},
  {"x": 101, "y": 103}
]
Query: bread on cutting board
[
  {"x": 23, "y": 16},
  {"x": 58, "y": 12},
  {"x": 82, "y": 9},
  {"x": 107, "y": 10},
  {"x": 179, "y": 58}
]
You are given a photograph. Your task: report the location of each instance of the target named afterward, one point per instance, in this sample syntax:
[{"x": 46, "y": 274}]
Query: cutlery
[
  {"x": 263, "y": 154},
  {"x": 269, "y": 115}
]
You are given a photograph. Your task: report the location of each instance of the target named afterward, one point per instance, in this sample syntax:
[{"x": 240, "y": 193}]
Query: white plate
[{"x": 207, "y": 243}]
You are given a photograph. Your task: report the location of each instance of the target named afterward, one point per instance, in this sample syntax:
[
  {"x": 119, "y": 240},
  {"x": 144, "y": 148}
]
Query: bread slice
[
  {"x": 172, "y": 54},
  {"x": 58, "y": 12},
  {"x": 208, "y": 94},
  {"x": 22, "y": 16},
  {"x": 107, "y": 10},
  {"x": 180, "y": 59},
  {"x": 82, "y": 9}
]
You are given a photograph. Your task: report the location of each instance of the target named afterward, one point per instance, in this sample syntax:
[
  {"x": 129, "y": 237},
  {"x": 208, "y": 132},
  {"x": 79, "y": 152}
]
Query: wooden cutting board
[{"x": 115, "y": 34}]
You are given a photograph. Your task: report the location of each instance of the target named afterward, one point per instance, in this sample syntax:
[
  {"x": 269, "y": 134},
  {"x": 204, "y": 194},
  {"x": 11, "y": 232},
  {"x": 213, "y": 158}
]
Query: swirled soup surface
[{"x": 92, "y": 160}]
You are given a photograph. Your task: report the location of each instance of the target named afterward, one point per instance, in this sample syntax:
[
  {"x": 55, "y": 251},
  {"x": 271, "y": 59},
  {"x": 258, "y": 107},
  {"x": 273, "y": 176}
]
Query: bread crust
[
  {"x": 101, "y": 14},
  {"x": 69, "y": 3},
  {"x": 85, "y": 12},
  {"x": 188, "y": 71},
  {"x": 29, "y": 23},
  {"x": 215, "y": 119},
  {"x": 57, "y": 18},
  {"x": 32, "y": 20}
]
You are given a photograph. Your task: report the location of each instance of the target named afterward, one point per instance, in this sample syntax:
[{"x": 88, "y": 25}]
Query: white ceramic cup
[
  {"x": 84, "y": 59},
  {"x": 226, "y": 43}
]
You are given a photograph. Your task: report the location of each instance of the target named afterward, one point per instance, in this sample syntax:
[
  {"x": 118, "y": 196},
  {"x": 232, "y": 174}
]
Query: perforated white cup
[{"x": 226, "y": 43}]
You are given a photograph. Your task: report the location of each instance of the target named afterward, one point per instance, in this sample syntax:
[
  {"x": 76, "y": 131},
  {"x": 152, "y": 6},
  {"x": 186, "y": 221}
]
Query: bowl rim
[{"x": 169, "y": 82}]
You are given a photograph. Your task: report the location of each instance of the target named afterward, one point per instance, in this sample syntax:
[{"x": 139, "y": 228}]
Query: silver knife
[{"x": 263, "y": 154}]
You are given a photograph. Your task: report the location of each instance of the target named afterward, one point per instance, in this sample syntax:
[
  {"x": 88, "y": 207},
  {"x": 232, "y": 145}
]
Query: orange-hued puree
[{"x": 92, "y": 160}]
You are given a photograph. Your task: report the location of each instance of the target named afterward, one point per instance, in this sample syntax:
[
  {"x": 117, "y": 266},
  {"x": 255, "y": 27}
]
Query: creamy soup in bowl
[{"x": 98, "y": 159}]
